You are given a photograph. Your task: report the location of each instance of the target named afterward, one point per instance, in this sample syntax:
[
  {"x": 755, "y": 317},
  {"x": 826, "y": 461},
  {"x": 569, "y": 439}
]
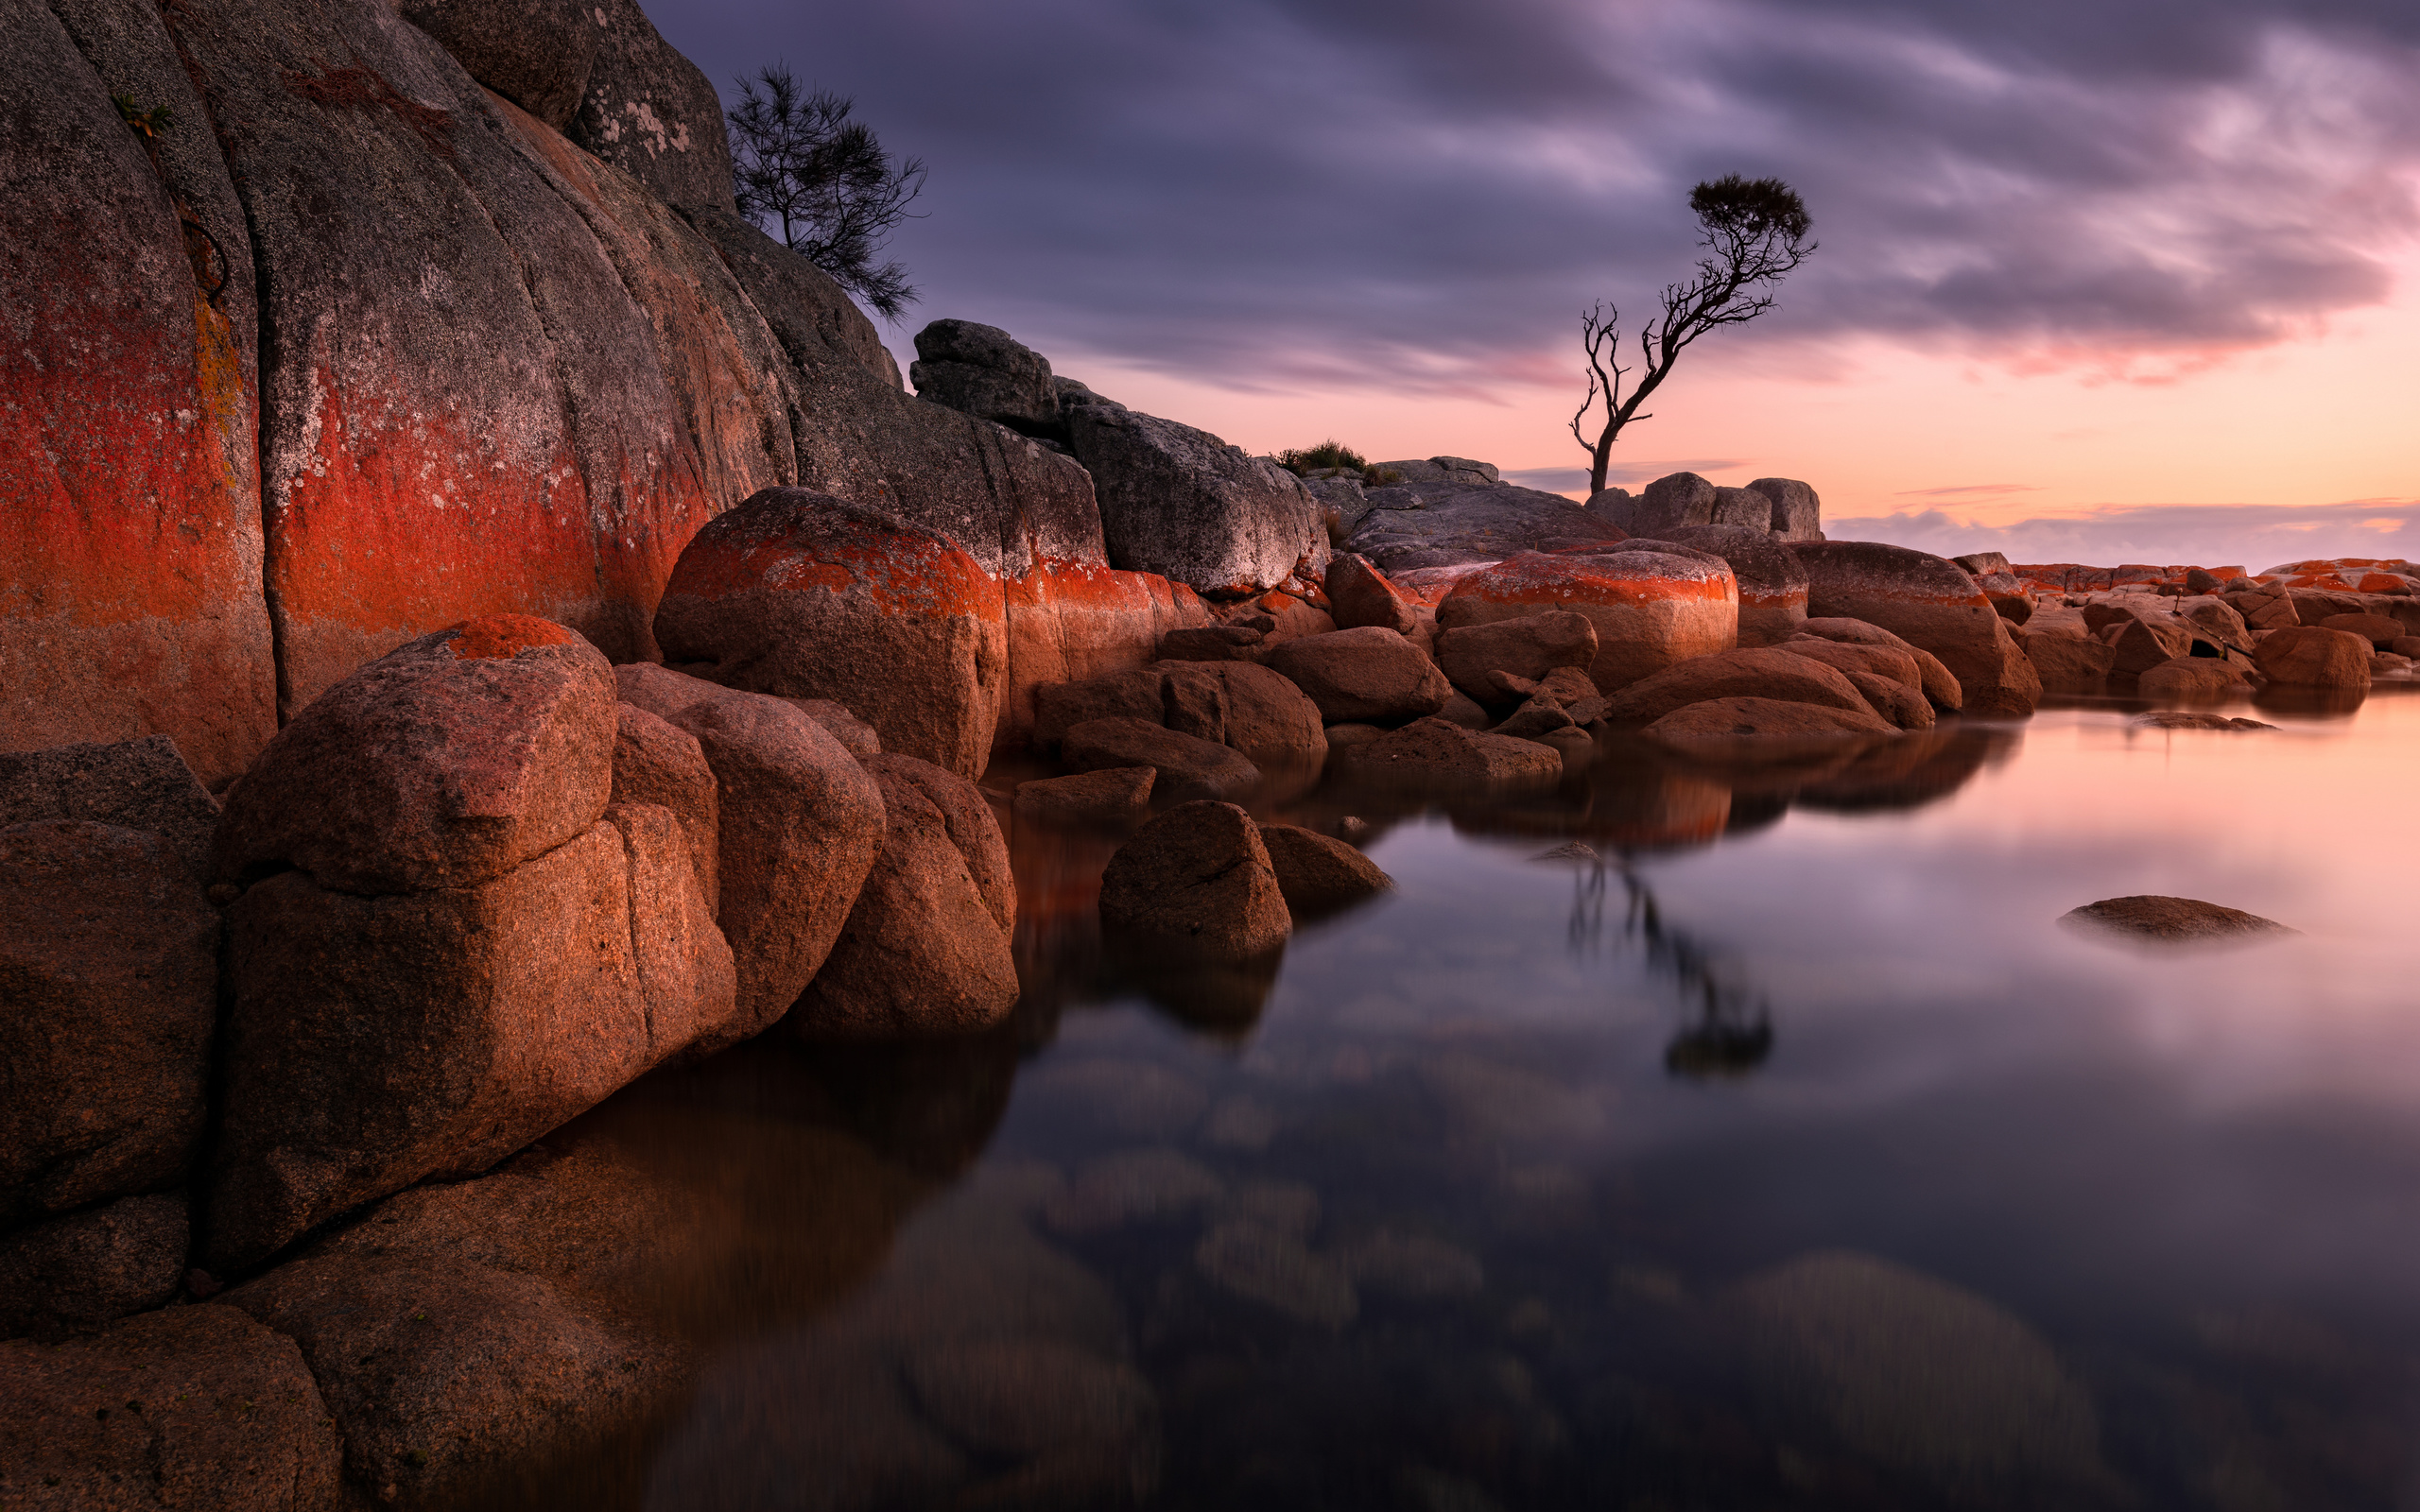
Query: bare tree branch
[{"x": 1755, "y": 231}]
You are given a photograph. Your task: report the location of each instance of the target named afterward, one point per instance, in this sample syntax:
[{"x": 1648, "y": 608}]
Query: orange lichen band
[{"x": 502, "y": 637}]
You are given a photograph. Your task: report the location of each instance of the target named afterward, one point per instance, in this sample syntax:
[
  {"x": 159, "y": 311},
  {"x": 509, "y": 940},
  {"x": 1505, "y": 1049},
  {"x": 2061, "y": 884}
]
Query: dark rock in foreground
[
  {"x": 2172, "y": 921},
  {"x": 1197, "y": 878}
]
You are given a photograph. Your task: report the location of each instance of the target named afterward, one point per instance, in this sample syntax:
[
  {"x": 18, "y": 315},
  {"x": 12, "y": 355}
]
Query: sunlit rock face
[{"x": 387, "y": 350}]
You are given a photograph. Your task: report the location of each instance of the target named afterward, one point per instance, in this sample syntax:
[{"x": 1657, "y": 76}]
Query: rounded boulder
[
  {"x": 2312, "y": 656},
  {"x": 1197, "y": 878},
  {"x": 1367, "y": 674},
  {"x": 803, "y": 595},
  {"x": 1648, "y": 609}
]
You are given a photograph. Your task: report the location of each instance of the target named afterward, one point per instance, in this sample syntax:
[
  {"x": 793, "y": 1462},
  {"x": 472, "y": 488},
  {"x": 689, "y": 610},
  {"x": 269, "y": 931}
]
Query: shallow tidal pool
[{"x": 1687, "y": 1139}]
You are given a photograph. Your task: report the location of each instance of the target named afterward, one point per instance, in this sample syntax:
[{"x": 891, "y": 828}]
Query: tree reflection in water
[{"x": 1727, "y": 1026}]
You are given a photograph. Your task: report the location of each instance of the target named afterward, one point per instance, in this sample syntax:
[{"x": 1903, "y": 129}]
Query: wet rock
[
  {"x": 1941, "y": 689},
  {"x": 1372, "y": 673},
  {"x": 71, "y": 1275},
  {"x": 1274, "y": 1269},
  {"x": 798, "y": 823},
  {"x": 136, "y": 784},
  {"x": 1527, "y": 646},
  {"x": 109, "y": 960},
  {"x": 1924, "y": 1378},
  {"x": 1114, "y": 798},
  {"x": 2194, "y": 676},
  {"x": 1359, "y": 594},
  {"x": 1197, "y": 878},
  {"x": 1715, "y": 724},
  {"x": 445, "y": 763},
  {"x": 1413, "y": 1268},
  {"x": 1188, "y": 767},
  {"x": 2312, "y": 656},
  {"x": 195, "y": 1407},
  {"x": 2172, "y": 920},
  {"x": 1133, "y": 1187},
  {"x": 1648, "y": 609},
  {"x": 1320, "y": 875},
  {"x": 1181, "y": 503},
  {"x": 804, "y": 595},
  {"x": 654, "y": 763},
  {"x": 1436, "y": 754},
  {"x": 1930, "y": 603},
  {"x": 2378, "y": 630},
  {"x": 984, "y": 372},
  {"x": 1768, "y": 673}
]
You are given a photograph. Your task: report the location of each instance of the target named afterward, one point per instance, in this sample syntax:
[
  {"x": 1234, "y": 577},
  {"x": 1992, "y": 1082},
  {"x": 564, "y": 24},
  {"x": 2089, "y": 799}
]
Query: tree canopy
[{"x": 802, "y": 163}]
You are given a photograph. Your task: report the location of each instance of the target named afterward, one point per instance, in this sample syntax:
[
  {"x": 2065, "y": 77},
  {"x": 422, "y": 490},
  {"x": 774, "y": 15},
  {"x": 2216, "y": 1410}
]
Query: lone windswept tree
[
  {"x": 1754, "y": 230},
  {"x": 801, "y": 163}
]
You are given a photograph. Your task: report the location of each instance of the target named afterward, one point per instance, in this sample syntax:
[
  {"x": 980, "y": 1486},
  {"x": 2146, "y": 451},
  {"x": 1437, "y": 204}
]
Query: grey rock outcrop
[
  {"x": 1412, "y": 526},
  {"x": 1181, "y": 503},
  {"x": 1457, "y": 471},
  {"x": 651, "y": 111},
  {"x": 982, "y": 371},
  {"x": 1797, "y": 513}
]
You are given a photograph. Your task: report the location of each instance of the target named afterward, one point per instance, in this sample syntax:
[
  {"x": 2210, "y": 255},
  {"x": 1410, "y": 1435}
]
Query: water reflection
[{"x": 1429, "y": 1214}]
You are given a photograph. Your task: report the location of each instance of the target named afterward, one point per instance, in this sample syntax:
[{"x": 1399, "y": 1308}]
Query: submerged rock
[
  {"x": 2178, "y": 719},
  {"x": 2172, "y": 921}
]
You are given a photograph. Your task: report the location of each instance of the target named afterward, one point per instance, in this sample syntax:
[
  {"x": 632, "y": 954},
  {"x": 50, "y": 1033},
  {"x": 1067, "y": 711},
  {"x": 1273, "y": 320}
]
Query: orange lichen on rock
[{"x": 502, "y": 637}]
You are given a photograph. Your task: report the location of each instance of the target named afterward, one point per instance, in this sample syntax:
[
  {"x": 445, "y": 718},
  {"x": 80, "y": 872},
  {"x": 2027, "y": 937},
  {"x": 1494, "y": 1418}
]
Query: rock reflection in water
[{"x": 1727, "y": 1021}]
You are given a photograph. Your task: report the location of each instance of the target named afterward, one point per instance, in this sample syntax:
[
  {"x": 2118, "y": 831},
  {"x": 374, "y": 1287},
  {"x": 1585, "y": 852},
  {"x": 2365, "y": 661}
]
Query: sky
[{"x": 2095, "y": 282}]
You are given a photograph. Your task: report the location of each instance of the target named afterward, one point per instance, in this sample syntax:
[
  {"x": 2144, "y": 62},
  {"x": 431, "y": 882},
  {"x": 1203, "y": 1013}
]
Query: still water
[{"x": 1776, "y": 1150}]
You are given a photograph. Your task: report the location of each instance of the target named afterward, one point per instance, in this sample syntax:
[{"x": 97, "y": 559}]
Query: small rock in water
[
  {"x": 2178, "y": 920},
  {"x": 1272, "y": 1268},
  {"x": 1570, "y": 850},
  {"x": 2178, "y": 719},
  {"x": 1317, "y": 874}
]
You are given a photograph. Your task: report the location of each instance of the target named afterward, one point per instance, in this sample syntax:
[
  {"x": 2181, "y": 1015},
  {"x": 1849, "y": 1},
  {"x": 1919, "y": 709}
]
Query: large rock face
[
  {"x": 141, "y": 784},
  {"x": 1182, "y": 504},
  {"x": 535, "y": 53},
  {"x": 1650, "y": 610},
  {"x": 130, "y": 581},
  {"x": 109, "y": 964},
  {"x": 803, "y": 595},
  {"x": 651, "y": 113},
  {"x": 1930, "y": 602}
]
